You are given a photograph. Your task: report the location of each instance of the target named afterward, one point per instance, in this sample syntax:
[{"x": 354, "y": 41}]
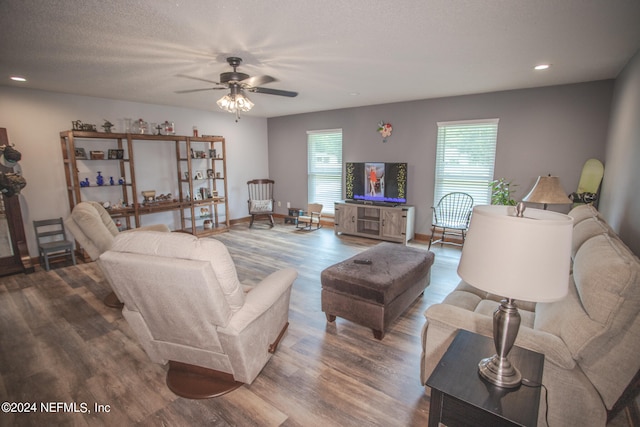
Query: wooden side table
[
  {"x": 293, "y": 215},
  {"x": 460, "y": 397}
]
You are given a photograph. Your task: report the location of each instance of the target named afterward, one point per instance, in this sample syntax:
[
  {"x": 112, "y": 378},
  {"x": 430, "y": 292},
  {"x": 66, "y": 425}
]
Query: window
[
  {"x": 465, "y": 157},
  {"x": 324, "y": 157}
]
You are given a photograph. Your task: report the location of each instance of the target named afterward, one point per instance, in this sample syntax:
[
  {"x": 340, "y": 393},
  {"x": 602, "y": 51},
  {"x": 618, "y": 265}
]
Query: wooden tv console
[{"x": 391, "y": 223}]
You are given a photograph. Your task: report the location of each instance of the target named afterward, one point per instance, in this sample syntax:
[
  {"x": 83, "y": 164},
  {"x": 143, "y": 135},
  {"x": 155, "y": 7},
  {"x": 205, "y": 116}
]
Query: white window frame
[
  {"x": 457, "y": 143},
  {"x": 324, "y": 173}
]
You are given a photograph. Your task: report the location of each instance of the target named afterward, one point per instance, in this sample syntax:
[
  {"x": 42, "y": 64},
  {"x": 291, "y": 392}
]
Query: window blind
[
  {"x": 465, "y": 159},
  {"x": 324, "y": 165}
]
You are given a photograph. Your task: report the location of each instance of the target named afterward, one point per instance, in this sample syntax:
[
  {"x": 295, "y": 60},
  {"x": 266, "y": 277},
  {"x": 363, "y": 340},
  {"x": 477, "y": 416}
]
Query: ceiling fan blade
[
  {"x": 197, "y": 78},
  {"x": 273, "y": 91},
  {"x": 199, "y": 90},
  {"x": 258, "y": 80}
]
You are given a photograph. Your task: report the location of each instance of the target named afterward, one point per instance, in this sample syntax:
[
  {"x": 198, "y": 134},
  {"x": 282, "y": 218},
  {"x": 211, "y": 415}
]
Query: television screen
[{"x": 376, "y": 182}]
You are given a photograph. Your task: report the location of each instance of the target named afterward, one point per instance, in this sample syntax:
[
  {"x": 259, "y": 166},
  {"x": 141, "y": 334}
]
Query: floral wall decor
[{"x": 385, "y": 130}]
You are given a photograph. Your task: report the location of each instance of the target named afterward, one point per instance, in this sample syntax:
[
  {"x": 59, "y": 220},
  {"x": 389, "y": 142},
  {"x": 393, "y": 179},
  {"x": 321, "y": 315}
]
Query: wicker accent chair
[{"x": 310, "y": 217}]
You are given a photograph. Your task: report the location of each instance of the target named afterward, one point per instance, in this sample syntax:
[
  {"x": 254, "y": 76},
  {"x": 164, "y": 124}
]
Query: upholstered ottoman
[{"x": 376, "y": 292}]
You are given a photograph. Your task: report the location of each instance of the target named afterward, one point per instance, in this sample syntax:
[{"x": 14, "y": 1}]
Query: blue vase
[
  {"x": 100, "y": 179},
  {"x": 111, "y": 181}
]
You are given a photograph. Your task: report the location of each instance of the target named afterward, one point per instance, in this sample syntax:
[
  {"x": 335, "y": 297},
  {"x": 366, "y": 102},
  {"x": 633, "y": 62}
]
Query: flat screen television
[{"x": 376, "y": 182}]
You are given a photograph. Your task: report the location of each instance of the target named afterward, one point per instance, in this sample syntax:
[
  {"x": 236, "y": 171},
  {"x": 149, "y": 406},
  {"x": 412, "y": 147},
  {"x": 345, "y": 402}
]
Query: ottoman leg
[
  {"x": 378, "y": 334},
  {"x": 330, "y": 317}
]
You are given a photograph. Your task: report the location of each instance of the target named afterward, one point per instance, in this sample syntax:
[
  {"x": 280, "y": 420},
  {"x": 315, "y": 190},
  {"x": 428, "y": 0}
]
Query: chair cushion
[
  {"x": 260, "y": 206},
  {"x": 186, "y": 246}
]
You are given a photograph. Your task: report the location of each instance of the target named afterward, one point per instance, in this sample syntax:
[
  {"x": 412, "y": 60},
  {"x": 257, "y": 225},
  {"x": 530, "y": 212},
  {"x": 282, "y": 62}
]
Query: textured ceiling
[{"x": 335, "y": 53}]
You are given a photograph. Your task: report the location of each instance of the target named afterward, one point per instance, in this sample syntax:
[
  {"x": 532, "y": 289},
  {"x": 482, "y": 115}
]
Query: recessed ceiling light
[
  {"x": 18, "y": 79},
  {"x": 542, "y": 67},
  {"x": 354, "y": 93}
]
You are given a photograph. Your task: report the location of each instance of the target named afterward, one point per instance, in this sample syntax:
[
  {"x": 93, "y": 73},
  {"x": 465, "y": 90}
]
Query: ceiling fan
[{"x": 238, "y": 83}]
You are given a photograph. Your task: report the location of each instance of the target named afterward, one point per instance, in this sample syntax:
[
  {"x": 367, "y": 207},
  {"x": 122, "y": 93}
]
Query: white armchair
[
  {"x": 183, "y": 299},
  {"x": 92, "y": 227}
]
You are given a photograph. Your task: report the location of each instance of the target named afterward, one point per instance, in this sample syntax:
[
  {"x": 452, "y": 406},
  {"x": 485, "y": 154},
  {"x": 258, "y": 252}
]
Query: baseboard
[{"x": 424, "y": 238}]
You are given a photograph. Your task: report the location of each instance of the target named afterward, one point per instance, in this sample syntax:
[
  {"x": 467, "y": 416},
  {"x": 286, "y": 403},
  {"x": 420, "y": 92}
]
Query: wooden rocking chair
[{"x": 261, "y": 199}]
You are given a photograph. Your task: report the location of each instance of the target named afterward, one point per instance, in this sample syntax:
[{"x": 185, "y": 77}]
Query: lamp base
[
  {"x": 500, "y": 371},
  {"x": 497, "y": 369}
]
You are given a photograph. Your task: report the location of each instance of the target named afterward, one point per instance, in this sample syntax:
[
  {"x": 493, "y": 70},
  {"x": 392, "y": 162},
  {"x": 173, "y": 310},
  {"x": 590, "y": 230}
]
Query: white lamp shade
[{"x": 524, "y": 258}]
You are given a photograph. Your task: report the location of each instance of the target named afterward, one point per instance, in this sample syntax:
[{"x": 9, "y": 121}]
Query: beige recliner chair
[
  {"x": 183, "y": 299},
  {"x": 92, "y": 226}
]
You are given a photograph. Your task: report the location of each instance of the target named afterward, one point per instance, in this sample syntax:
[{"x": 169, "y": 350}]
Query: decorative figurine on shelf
[
  {"x": 207, "y": 224},
  {"x": 140, "y": 126},
  {"x": 85, "y": 183},
  {"x": 121, "y": 181},
  {"x": 85, "y": 127},
  {"x": 169, "y": 129},
  {"x": 111, "y": 181},
  {"x": 107, "y": 126},
  {"x": 100, "y": 179},
  {"x": 119, "y": 225}
]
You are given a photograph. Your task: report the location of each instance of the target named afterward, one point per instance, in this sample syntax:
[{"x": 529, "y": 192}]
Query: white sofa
[{"x": 590, "y": 339}]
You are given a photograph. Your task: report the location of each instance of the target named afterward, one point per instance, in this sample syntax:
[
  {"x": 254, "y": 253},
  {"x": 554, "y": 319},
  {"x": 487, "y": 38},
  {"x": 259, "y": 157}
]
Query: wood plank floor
[{"x": 59, "y": 343}]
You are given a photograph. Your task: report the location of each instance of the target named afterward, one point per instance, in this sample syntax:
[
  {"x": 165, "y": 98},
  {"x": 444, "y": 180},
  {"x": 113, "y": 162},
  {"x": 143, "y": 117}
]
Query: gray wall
[
  {"x": 545, "y": 130},
  {"x": 620, "y": 202}
]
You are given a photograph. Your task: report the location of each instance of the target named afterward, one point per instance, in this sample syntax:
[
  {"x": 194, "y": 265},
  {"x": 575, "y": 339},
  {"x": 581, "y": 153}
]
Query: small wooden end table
[
  {"x": 293, "y": 215},
  {"x": 460, "y": 397}
]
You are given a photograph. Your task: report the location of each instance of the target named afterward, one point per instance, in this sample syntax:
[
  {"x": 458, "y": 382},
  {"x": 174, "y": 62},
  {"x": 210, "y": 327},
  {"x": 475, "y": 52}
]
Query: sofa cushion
[
  {"x": 582, "y": 212},
  {"x": 605, "y": 274},
  {"x": 185, "y": 246},
  {"x": 568, "y": 320},
  {"x": 584, "y": 230}
]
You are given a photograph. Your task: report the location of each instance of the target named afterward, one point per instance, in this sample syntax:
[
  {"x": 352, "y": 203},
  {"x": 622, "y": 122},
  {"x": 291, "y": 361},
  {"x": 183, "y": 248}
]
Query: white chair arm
[
  {"x": 155, "y": 227},
  {"x": 260, "y": 299}
]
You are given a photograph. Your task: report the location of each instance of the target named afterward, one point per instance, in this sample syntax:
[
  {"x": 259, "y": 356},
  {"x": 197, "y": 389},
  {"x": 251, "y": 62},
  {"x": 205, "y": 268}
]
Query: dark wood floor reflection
[{"x": 61, "y": 347}]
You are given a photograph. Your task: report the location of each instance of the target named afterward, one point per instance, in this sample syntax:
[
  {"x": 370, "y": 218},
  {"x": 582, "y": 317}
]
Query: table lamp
[
  {"x": 547, "y": 191},
  {"x": 518, "y": 255}
]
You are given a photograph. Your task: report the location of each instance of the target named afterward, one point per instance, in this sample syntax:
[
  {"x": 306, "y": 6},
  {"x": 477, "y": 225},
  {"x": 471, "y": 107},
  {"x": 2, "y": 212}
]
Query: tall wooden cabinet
[
  {"x": 391, "y": 223},
  {"x": 110, "y": 167}
]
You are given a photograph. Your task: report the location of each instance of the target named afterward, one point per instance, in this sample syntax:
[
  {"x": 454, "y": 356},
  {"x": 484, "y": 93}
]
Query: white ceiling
[{"x": 335, "y": 53}]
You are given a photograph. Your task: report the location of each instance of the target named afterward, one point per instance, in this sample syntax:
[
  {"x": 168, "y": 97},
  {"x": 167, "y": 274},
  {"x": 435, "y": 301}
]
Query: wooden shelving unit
[
  {"x": 131, "y": 206},
  {"x": 202, "y": 172}
]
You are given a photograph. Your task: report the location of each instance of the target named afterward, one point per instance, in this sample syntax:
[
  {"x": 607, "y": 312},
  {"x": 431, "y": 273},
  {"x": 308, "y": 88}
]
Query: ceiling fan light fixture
[
  {"x": 243, "y": 103},
  {"x": 234, "y": 102}
]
